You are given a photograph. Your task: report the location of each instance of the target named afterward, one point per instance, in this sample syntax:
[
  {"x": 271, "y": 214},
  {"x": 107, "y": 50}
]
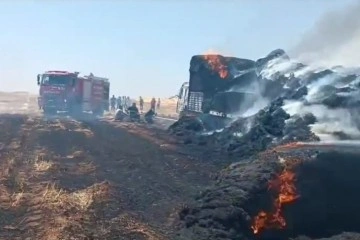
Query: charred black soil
[{"x": 91, "y": 180}]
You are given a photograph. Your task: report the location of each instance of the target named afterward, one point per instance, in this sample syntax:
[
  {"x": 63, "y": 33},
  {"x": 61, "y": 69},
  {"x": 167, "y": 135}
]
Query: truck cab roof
[{"x": 53, "y": 72}]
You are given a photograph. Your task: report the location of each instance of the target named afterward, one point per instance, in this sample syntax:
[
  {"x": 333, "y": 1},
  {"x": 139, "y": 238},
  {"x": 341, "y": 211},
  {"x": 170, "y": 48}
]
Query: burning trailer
[
  {"x": 221, "y": 87},
  {"x": 214, "y": 85}
]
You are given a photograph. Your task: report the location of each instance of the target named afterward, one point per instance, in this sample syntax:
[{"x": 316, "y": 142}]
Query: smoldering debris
[
  {"x": 328, "y": 97},
  {"x": 312, "y": 123},
  {"x": 318, "y": 193}
]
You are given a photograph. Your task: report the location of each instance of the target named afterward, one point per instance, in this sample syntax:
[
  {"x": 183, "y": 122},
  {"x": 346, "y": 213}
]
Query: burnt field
[{"x": 65, "y": 179}]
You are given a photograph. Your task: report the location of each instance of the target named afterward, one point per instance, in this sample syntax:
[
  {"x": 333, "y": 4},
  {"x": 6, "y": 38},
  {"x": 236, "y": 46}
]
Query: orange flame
[
  {"x": 284, "y": 185},
  {"x": 215, "y": 63}
]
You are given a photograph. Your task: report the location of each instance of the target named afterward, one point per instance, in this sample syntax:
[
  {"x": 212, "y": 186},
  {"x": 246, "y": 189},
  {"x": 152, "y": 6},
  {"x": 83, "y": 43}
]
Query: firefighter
[
  {"x": 149, "y": 116},
  {"x": 158, "y": 103},
  {"x": 119, "y": 103},
  {"x": 134, "y": 112},
  {"x": 153, "y": 104},
  {"x": 141, "y": 103},
  {"x": 124, "y": 102},
  {"x": 113, "y": 103}
]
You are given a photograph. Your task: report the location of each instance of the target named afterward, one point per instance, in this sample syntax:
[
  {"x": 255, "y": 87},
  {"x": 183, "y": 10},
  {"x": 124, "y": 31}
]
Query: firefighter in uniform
[
  {"x": 153, "y": 104},
  {"x": 113, "y": 102},
  {"x": 141, "y": 103}
]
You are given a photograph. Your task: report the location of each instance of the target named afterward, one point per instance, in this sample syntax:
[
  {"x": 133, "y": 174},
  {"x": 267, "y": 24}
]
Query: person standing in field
[
  {"x": 158, "y": 103},
  {"x": 113, "y": 103},
  {"x": 119, "y": 103},
  {"x": 141, "y": 103},
  {"x": 153, "y": 104}
]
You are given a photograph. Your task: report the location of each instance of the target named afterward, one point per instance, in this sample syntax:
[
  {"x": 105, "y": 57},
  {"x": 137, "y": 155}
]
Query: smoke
[
  {"x": 255, "y": 101},
  {"x": 329, "y": 121},
  {"x": 334, "y": 40}
]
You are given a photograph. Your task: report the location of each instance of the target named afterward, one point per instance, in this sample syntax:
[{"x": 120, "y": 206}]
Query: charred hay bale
[
  {"x": 276, "y": 54},
  {"x": 293, "y": 83},
  {"x": 248, "y": 136},
  {"x": 329, "y": 196},
  {"x": 219, "y": 212},
  {"x": 270, "y": 89},
  {"x": 186, "y": 125},
  {"x": 297, "y": 129},
  {"x": 314, "y": 76},
  {"x": 342, "y": 236},
  {"x": 342, "y": 100},
  {"x": 298, "y": 94},
  {"x": 325, "y": 200}
]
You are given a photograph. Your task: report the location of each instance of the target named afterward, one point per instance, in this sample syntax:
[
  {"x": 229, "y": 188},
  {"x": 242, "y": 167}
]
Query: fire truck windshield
[{"x": 55, "y": 79}]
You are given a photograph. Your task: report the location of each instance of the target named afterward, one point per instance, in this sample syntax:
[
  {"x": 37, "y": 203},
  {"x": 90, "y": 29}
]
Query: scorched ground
[{"x": 65, "y": 179}]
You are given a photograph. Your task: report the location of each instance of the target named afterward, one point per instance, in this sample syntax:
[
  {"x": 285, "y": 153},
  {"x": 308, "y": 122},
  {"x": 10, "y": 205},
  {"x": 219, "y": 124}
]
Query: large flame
[
  {"x": 284, "y": 185},
  {"x": 215, "y": 63}
]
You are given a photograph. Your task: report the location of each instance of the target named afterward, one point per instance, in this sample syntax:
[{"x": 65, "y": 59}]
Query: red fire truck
[{"x": 67, "y": 91}]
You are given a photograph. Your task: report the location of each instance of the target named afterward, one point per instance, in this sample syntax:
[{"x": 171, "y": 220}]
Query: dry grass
[
  {"x": 128, "y": 225},
  {"x": 59, "y": 203},
  {"x": 17, "y": 199},
  {"x": 42, "y": 163},
  {"x": 85, "y": 168},
  {"x": 43, "y": 166},
  {"x": 55, "y": 197}
]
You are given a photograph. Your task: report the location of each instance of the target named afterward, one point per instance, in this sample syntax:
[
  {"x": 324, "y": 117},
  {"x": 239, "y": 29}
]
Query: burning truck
[
  {"x": 222, "y": 87},
  {"x": 69, "y": 92}
]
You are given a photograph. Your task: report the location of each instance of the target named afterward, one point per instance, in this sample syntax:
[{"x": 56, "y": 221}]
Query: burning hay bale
[{"x": 280, "y": 196}]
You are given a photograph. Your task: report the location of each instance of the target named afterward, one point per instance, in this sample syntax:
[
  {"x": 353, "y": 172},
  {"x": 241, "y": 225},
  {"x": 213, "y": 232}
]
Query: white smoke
[
  {"x": 329, "y": 121},
  {"x": 260, "y": 103},
  {"x": 286, "y": 67},
  {"x": 334, "y": 40},
  {"x": 275, "y": 66},
  {"x": 255, "y": 100}
]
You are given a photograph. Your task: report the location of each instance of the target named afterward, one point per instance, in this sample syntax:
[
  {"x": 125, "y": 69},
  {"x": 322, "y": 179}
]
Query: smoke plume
[{"x": 334, "y": 40}]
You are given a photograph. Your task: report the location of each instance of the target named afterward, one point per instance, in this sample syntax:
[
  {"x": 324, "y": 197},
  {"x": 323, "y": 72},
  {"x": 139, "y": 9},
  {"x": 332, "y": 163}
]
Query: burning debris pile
[
  {"x": 289, "y": 101},
  {"x": 281, "y": 189}
]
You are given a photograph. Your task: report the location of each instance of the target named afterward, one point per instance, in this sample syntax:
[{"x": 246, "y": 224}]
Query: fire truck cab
[{"x": 67, "y": 91}]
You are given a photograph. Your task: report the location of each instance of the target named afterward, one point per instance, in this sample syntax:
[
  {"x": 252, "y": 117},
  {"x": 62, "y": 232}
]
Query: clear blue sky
[{"x": 144, "y": 47}]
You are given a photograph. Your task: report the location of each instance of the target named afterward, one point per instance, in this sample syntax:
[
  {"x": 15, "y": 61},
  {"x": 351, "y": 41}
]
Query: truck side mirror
[
  {"x": 73, "y": 82},
  {"x": 38, "y": 79}
]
